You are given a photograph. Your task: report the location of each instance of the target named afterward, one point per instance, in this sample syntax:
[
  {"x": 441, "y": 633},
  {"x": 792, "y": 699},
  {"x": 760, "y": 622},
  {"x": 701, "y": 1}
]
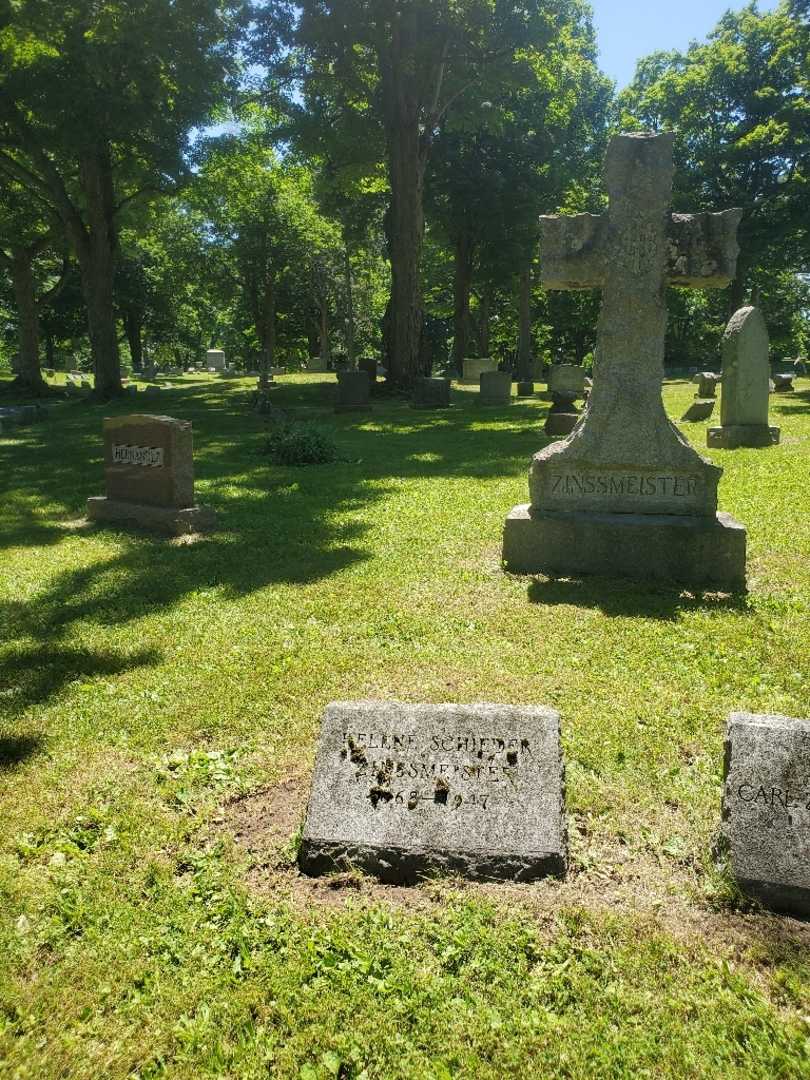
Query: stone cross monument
[{"x": 625, "y": 494}]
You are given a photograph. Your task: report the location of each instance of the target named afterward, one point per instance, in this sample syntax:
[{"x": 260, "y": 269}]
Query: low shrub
[{"x": 300, "y": 444}]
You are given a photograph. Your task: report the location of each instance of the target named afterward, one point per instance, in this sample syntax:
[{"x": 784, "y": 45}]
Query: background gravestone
[
  {"x": 625, "y": 494},
  {"x": 149, "y": 474},
  {"x": 700, "y": 409},
  {"x": 745, "y": 387},
  {"x": 766, "y": 808},
  {"x": 496, "y": 388},
  {"x": 215, "y": 360},
  {"x": 473, "y": 368},
  {"x": 403, "y": 791},
  {"x": 431, "y": 393}
]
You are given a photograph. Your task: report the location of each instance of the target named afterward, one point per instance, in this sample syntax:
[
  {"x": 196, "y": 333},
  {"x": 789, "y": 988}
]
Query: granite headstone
[
  {"x": 404, "y": 791},
  {"x": 744, "y": 394},
  {"x": 473, "y": 368},
  {"x": 149, "y": 474},
  {"x": 766, "y": 808}
]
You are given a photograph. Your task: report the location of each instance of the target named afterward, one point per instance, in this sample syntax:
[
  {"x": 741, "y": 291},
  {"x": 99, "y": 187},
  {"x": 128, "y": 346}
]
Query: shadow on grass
[
  {"x": 617, "y": 597},
  {"x": 278, "y": 525},
  {"x": 14, "y": 750},
  {"x": 796, "y": 402},
  {"x": 30, "y": 676}
]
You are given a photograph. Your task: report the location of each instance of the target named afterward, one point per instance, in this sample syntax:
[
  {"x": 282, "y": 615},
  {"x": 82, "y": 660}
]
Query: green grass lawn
[{"x": 159, "y": 708}]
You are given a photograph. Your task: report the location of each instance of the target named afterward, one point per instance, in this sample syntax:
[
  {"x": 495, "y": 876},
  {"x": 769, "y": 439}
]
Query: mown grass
[{"x": 145, "y": 682}]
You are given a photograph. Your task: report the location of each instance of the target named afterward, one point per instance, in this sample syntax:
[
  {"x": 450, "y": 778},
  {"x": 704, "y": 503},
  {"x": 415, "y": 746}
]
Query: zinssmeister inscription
[
  {"x": 595, "y": 483},
  {"x": 404, "y": 790}
]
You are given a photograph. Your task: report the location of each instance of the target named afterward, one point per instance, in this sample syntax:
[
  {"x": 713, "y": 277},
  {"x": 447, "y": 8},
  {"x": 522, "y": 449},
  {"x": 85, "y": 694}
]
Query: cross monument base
[{"x": 694, "y": 551}]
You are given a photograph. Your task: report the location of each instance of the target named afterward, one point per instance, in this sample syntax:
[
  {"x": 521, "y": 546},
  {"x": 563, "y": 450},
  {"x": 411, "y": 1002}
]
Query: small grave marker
[
  {"x": 744, "y": 400},
  {"x": 766, "y": 808},
  {"x": 149, "y": 472},
  {"x": 404, "y": 791}
]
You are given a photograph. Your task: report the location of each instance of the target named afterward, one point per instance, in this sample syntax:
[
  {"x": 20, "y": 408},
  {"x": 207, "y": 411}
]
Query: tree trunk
[
  {"x": 484, "y": 306},
  {"x": 50, "y": 354},
  {"x": 347, "y": 269},
  {"x": 29, "y": 376},
  {"x": 96, "y": 247},
  {"x": 736, "y": 293},
  {"x": 406, "y": 229},
  {"x": 462, "y": 283},
  {"x": 409, "y": 123},
  {"x": 524, "y": 359},
  {"x": 267, "y": 333},
  {"x": 133, "y": 328},
  {"x": 323, "y": 333}
]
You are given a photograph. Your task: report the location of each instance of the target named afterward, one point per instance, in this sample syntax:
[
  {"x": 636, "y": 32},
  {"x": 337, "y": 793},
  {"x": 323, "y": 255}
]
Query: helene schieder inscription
[{"x": 403, "y": 791}]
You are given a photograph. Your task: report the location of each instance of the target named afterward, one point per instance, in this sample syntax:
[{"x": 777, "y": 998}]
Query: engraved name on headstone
[
  {"x": 766, "y": 808},
  {"x": 403, "y": 791}
]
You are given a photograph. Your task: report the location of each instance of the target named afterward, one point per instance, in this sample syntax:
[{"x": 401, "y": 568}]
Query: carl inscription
[{"x": 407, "y": 790}]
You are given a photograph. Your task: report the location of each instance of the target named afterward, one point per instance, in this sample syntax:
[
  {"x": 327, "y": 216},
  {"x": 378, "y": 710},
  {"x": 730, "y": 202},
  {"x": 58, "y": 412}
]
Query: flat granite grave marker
[
  {"x": 406, "y": 791},
  {"x": 766, "y": 808},
  {"x": 700, "y": 409},
  {"x": 149, "y": 474},
  {"x": 744, "y": 394},
  {"x": 625, "y": 494}
]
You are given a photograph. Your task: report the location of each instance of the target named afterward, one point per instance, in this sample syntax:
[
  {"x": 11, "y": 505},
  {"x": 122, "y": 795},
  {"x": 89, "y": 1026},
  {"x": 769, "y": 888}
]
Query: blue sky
[{"x": 629, "y": 29}]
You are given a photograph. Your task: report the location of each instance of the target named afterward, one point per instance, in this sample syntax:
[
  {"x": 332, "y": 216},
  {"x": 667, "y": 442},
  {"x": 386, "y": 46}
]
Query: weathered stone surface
[
  {"x": 174, "y": 522},
  {"x": 744, "y": 395},
  {"x": 700, "y": 409},
  {"x": 149, "y": 460},
  {"x": 695, "y": 551},
  {"x": 563, "y": 416},
  {"x": 567, "y": 380},
  {"x": 706, "y": 384},
  {"x": 472, "y": 369},
  {"x": 215, "y": 360},
  {"x": 496, "y": 388},
  {"x": 766, "y": 808},
  {"x": 369, "y": 365},
  {"x": 734, "y": 435},
  {"x": 354, "y": 391},
  {"x": 431, "y": 393},
  {"x": 626, "y": 457},
  {"x": 525, "y": 389},
  {"x": 405, "y": 791},
  {"x": 149, "y": 474}
]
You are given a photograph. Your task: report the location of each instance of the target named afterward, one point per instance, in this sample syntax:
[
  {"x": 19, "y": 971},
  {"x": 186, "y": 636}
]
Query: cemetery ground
[{"x": 159, "y": 706}]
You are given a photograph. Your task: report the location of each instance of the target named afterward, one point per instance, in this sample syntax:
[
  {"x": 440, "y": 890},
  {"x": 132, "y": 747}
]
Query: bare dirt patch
[{"x": 605, "y": 879}]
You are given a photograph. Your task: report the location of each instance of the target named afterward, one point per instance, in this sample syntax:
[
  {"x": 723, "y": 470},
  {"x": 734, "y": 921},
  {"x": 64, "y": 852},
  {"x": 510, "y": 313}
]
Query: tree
[
  {"x": 96, "y": 101},
  {"x": 402, "y": 69},
  {"x": 29, "y": 245},
  {"x": 738, "y": 106},
  {"x": 262, "y": 214}
]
